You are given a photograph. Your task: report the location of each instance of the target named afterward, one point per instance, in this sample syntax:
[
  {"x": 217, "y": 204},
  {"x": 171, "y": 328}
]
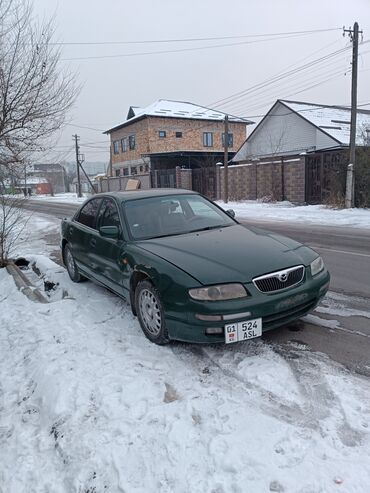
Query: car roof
[{"x": 141, "y": 194}]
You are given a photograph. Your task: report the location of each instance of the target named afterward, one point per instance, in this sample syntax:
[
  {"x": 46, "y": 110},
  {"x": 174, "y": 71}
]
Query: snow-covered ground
[
  {"x": 303, "y": 214},
  {"x": 271, "y": 211},
  {"x": 88, "y": 405}
]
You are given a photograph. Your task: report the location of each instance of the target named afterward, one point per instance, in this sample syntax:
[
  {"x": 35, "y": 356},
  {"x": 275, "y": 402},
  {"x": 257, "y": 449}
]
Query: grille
[{"x": 279, "y": 280}]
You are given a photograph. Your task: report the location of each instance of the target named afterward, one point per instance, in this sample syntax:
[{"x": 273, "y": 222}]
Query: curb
[{"x": 24, "y": 285}]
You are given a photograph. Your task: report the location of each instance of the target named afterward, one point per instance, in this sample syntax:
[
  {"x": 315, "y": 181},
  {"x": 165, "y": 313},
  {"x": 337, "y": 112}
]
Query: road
[
  {"x": 340, "y": 326},
  {"x": 346, "y": 251}
]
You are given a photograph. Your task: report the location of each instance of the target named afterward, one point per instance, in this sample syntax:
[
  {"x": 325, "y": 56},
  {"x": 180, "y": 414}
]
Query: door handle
[{"x": 93, "y": 242}]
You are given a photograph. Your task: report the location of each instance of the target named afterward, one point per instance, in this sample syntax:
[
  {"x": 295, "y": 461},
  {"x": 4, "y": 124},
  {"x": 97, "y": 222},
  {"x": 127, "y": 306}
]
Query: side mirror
[
  {"x": 231, "y": 213},
  {"x": 109, "y": 231}
]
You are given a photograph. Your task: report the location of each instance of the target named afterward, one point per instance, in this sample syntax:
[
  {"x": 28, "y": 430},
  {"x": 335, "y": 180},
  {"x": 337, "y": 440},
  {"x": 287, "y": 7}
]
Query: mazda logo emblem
[{"x": 283, "y": 277}]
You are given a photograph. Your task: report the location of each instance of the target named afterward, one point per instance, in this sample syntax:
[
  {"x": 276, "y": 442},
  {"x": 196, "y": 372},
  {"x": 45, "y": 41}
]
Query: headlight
[
  {"x": 218, "y": 293},
  {"x": 317, "y": 266}
]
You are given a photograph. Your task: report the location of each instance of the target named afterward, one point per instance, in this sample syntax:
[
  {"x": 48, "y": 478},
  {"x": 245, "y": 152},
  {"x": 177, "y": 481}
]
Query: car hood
[{"x": 230, "y": 254}]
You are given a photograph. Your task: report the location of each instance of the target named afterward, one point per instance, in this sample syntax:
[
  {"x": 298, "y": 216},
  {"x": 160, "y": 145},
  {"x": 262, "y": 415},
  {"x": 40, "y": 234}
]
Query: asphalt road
[
  {"x": 346, "y": 251},
  {"x": 339, "y": 327}
]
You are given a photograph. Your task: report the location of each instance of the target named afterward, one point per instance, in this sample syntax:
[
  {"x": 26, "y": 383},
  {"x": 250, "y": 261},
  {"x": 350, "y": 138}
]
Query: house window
[
  {"x": 124, "y": 145},
  {"x": 118, "y": 172},
  {"x": 231, "y": 140},
  {"x": 133, "y": 170},
  {"x": 178, "y": 135},
  {"x": 208, "y": 139},
  {"x": 141, "y": 168},
  {"x": 162, "y": 134},
  {"x": 125, "y": 171},
  {"x": 146, "y": 168},
  {"x": 131, "y": 142},
  {"x": 115, "y": 147}
]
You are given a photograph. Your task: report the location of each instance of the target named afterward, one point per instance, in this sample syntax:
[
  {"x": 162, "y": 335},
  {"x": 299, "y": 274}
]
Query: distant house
[
  {"x": 168, "y": 134},
  {"x": 51, "y": 173},
  {"x": 299, "y": 152}
]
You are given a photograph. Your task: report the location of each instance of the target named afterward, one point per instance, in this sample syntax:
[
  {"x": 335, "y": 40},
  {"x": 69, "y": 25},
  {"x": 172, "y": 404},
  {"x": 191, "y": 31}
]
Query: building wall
[
  {"x": 281, "y": 179},
  {"x": 192, "y": 135},
  {"x": 140, "y": 130},
  {"x": 283, "y": 133},
  {"x": 147, "y": 140},
  {"x": 119, "y": 183}
]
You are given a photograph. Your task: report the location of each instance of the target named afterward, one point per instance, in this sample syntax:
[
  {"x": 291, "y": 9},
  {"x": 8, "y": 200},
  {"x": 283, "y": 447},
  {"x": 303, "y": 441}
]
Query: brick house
[{"x": 169, "y": 134}]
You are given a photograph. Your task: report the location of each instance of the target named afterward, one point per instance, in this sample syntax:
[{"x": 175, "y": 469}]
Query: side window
[
  {"x": 109, "y": 215},
  {"x": 87, "y": 215}
]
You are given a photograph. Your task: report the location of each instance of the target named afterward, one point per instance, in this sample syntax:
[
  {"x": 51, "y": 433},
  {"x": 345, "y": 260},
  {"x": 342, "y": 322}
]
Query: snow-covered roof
[
  {"x": 334, "y": 120},
  {"x": 34, "y": 180},
  {"x": 178, "y": 109}
]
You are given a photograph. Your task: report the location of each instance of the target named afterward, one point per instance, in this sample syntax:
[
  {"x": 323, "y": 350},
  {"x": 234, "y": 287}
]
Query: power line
[
  {"x": 271, "y": 92},
  {"x": 181, "y": 50},
  {"x": 278, "y": 77},
  {"x": 83, "y": 126},
  {"x": 260, "y": 100},
  {"x": 186, "y": 40}
]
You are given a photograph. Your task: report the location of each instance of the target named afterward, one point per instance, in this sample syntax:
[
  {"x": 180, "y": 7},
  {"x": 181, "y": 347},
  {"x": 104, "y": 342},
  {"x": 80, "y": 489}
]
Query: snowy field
[
  {"x": 273, "y": 211},
  {"x": 88, "y": 405}
]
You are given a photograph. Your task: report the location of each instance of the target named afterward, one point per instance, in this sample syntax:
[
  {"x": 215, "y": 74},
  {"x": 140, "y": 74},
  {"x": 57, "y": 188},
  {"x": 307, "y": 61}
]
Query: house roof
[
  {"x": 177, "y": 109},
  {"x": 333, "y": 120}
]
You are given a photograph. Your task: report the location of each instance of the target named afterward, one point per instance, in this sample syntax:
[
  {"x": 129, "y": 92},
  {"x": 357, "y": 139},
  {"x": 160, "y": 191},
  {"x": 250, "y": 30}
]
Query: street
[{"x": 340, "y": 326}]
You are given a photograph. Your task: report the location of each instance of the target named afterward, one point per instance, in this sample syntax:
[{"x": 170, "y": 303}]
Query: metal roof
[
  {"x": 178, "y": 109},
  {"x": 334, "y": 120}
]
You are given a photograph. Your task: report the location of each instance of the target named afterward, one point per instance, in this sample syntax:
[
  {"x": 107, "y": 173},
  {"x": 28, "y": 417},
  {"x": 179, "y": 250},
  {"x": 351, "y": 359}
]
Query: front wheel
[
  {"x": 150, "y": 313},
  {"x": 70, "y": 264}
]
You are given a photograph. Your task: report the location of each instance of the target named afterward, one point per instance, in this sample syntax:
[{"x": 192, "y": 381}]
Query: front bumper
[{"x": 275, "y": 310}]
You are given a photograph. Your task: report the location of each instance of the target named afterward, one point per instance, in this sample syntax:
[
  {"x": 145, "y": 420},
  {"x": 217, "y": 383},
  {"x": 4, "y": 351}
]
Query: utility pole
[
  {"x": 110, "y": 161},
  {"x": 226, "y": 159},
  {"x": 350, "y": 184},
  {"x": 76, "y": 137}
]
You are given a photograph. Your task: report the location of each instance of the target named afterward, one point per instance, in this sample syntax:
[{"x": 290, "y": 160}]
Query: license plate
[{"x": 241, "y": 331}]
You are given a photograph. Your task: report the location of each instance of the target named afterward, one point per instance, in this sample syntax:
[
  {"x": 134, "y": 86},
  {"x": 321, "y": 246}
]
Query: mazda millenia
[{"x": 190, "y": 271}]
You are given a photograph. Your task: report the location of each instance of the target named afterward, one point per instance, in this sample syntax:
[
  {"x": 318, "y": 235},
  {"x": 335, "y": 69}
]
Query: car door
[
  {"x": 109, "y": 252},
  {"x": 81, "y": 232}
]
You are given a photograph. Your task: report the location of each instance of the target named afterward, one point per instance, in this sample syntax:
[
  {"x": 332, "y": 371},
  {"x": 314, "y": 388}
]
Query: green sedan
[{"x": 189, "y": 270}]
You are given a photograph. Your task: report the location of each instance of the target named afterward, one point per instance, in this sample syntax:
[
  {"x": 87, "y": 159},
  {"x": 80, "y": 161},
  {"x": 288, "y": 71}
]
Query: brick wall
[
  {"x": 119, "y": 183},
  {"x": 140, "y": 130},
  {"x": 184, "y": 178},
  {"x": 277, "y": 180},
  {"x": 147, "y": 140}
]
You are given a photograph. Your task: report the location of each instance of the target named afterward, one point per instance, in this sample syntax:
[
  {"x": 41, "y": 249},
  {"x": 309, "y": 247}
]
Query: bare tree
[
  {"x": 12, "y": 224},
  {"x": 35, "y": 94}
]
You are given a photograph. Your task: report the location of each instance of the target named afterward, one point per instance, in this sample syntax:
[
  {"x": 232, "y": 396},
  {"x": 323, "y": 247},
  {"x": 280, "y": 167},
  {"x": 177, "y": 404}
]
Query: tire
[
  {"x": 71, "y": 266},
  {"x": 150, "y": 313}
]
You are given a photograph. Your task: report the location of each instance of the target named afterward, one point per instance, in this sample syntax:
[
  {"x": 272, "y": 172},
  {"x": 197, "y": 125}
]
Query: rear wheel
[
  {"x": 150, "y": 313},
  {"x": 71, "y": 266}
]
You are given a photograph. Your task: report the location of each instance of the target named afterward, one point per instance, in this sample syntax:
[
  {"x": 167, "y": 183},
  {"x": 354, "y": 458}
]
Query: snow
[
  {"x": 88, "y": 404},
  {"x": 304, "y": 214},
  {"x": 268, "y": 211},
  {"x": 68, "y": 197},
  {"x": 180, "y": 109},
  {"x": 334, "y": 120}
]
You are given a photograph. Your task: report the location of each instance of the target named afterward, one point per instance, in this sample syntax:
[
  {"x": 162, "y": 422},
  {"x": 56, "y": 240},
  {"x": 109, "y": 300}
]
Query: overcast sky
[{"x": 202, "y": 75}]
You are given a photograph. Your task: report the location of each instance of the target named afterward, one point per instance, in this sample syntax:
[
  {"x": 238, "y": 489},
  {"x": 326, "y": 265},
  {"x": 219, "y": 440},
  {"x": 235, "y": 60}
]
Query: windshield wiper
[{"x": 207, "y": 228}]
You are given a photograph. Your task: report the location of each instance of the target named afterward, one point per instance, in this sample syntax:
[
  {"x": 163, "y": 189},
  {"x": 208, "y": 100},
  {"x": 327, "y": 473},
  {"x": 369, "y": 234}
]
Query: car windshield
[{"x": 172, "y": 215}]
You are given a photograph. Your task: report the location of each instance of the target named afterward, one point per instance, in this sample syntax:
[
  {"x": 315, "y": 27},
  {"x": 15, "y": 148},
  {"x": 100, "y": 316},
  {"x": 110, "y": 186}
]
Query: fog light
[
  {"x": 214, "y": 330},
  {"x": 208, "y": 318}
]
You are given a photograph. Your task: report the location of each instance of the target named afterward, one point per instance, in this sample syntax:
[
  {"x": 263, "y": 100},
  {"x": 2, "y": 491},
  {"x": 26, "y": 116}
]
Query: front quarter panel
[{"x": 171, "y": 282}]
